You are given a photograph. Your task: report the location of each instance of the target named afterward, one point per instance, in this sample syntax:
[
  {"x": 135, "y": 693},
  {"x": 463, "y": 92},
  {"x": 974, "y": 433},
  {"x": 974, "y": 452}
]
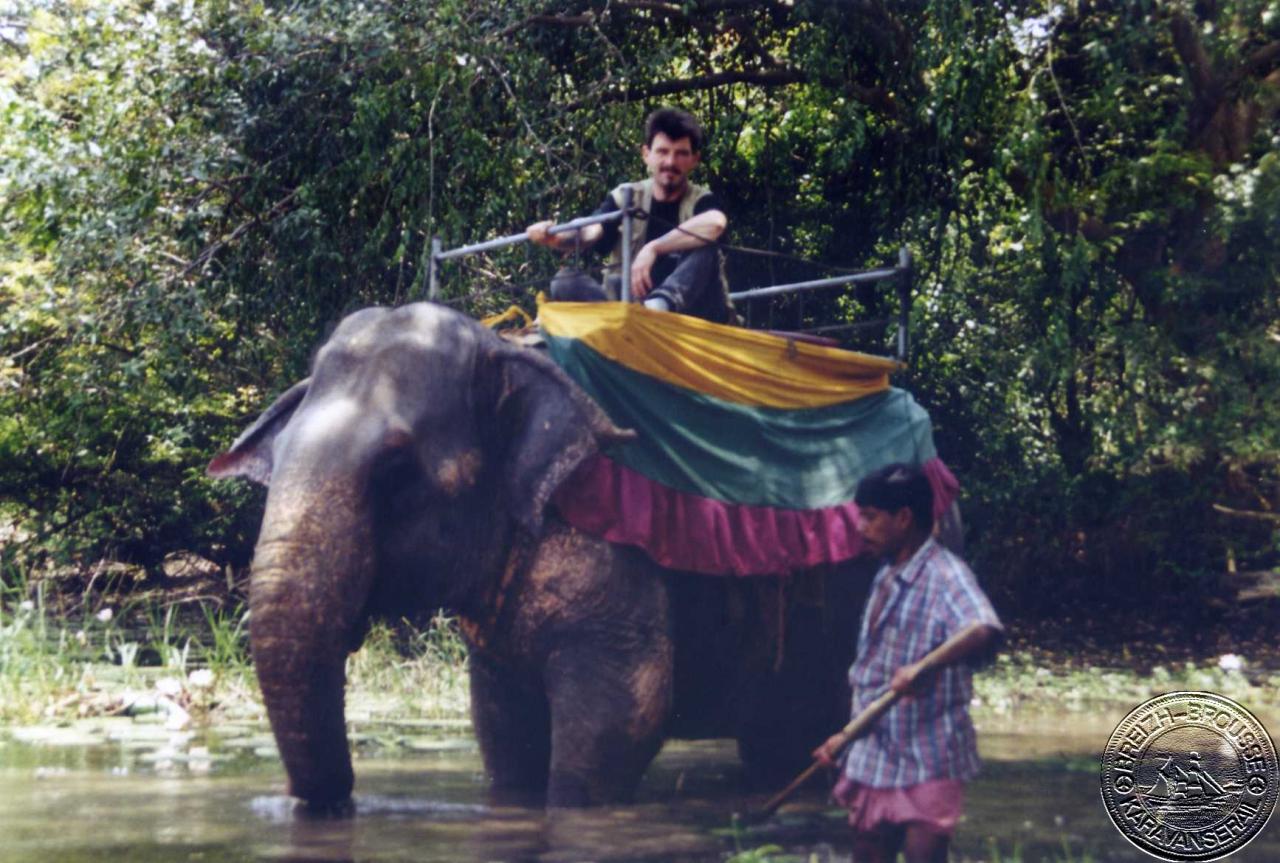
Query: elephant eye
[{"x": 397, "y": 477}]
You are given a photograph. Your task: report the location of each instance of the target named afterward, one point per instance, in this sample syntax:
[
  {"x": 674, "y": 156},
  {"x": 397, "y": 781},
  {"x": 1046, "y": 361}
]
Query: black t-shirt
[{"x": 663, "y": 216}]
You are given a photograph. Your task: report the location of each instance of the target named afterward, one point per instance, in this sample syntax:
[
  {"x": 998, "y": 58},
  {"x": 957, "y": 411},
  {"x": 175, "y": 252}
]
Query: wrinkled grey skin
[{"x": 412, "y": 471}]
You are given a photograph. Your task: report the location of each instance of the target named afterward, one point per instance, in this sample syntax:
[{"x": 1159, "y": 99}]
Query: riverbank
[
  {"x": 144, "y": 689},
  {"x": 188, "y": 665}
]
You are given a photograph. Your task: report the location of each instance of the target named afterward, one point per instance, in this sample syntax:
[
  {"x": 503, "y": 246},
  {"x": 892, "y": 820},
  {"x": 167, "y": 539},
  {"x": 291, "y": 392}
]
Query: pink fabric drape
[{"x": 688, "y": 532}]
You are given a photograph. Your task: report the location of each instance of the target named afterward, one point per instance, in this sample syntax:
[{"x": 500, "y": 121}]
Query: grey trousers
[{"x": 693, "y": 287}]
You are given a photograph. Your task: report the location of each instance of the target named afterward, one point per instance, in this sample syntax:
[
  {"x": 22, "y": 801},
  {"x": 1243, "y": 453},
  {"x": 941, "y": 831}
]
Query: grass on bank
[
  {"x": 58, "y": 665},
  {"x": 1023, "y": 681},
  {"x": 61, "y": 661}
]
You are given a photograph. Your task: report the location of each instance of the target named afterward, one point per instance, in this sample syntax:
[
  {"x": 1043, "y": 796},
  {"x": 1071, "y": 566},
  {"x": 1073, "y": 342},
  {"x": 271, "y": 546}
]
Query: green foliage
[
  {"x": 114, "y": 363},
  {"x": 1110, "y": 328},
  {"x": 1016, "y": 855},
  {"x": 411, "y": 670},
  {"x": 763, "y": 854},
  {"x": 191, "y": 194},
  {"x": 737, "y": 832}
]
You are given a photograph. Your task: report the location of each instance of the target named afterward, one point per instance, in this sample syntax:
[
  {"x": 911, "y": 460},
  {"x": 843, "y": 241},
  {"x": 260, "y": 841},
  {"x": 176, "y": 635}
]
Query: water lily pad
[
  {"x": 254, "y": 741},
  {"x": 436, "y": 744},
  {"x": 55, "y": 735},
  {"x": 135, "y": 733},
  {"x": 429, "y": 723}
]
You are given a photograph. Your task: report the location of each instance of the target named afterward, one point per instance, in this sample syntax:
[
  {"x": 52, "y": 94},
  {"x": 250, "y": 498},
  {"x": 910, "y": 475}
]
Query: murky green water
[{"x": 154, "y": 796}]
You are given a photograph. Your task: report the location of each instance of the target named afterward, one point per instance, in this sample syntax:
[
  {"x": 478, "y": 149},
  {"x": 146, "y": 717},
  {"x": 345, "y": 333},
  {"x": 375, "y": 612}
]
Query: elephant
[{"x": 414, "y": 470}]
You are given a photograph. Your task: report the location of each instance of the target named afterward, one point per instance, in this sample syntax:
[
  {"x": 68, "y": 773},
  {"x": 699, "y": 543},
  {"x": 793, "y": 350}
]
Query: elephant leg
[
  {"x": 608, "y": 714},
  {"x": 774, "y": 744},
  {"x": 786, "y": 713},
  {"x": 511, "y": 723}
]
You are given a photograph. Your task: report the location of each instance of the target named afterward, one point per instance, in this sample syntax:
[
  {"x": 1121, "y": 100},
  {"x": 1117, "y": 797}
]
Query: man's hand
[
  {"x": 537, "y": 233},
  {"x": 540, "y": 234},
  {"x": 642, "y": 271},
  {"x": 907, "y": 679},
  {"x": 829, "y": 750}
]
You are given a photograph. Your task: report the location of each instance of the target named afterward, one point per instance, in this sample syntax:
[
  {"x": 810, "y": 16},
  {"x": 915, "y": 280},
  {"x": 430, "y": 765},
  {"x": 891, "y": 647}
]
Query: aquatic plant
[
  {"x": 763, "y": 854},
  {"x": 228, "y": 645},
  {"x": 407, "y": 671},
  {"x": 1015, "y": 854}
]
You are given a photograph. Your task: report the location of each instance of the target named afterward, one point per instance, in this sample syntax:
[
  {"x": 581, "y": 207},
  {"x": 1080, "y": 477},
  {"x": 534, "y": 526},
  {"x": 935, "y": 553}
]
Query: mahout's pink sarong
[{"x": 936, "y": 805}]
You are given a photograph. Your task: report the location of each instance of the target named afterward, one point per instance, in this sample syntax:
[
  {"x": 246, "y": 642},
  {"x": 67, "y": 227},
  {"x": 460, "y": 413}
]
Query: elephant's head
[{"x": 398, "y": 473}]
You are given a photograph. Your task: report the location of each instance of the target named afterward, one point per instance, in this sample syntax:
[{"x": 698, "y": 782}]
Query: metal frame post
[
  {"x": 627, "y": 229},
  {"x": 905, "y": 280},
  {"x": 433, "y": 280}
]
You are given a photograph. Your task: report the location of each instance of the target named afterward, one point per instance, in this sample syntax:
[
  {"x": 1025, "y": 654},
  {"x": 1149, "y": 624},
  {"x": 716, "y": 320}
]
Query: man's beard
[{"x": 671, "y": 182}]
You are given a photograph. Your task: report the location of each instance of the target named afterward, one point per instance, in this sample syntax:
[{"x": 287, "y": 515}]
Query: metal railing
[
  {"x": 626, "y": 214},
  {"x": 903, "y": 273}
]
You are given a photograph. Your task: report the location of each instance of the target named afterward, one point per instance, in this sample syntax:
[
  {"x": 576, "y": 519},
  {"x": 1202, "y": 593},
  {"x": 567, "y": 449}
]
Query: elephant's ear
[
  {"x": 250, "y": 455},
  {"x": 549, "y": 426}
]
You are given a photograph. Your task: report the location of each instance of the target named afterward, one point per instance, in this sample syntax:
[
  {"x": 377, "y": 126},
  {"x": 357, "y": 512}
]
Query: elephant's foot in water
[
  {"x": 512, "y": 723},
  {"x": 607, "y": 721},
  {"x": 586, "y": 742}
]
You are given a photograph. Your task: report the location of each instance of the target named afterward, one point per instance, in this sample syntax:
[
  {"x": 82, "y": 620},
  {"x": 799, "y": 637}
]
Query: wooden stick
[{"x": 863, "y": 721}]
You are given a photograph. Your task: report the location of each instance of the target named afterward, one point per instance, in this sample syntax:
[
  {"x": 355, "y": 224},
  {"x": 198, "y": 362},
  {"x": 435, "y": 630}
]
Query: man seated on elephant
[{"x": 675, "y": 265}]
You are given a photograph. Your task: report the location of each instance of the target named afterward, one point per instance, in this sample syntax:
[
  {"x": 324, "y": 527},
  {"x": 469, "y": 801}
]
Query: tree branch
[
  {"x": 872, "y": 97},
  {"x": 570, "y": 21},
  {"x": 278, "y": 209},
  {"x": 34, "y": 346},
  {"x": 1190, "y": 50},
  {"x": 721, "y": 5},
  {"x": 674, "y": 13},
  {"x": 1263, "y": 59},
  {"x": 770, "y": 78},
  {"x": 667, "y": 10},
  {"x": 1250, "y": 515},
  {"x": 889, "y": 27},
  {"x": 750, "y": 41}
]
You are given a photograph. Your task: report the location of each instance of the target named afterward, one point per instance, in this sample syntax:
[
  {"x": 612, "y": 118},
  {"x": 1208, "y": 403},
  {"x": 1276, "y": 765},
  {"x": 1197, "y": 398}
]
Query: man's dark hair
[
  {"x": 896, "y": 486},
  {"x": 675, "y": 124}
]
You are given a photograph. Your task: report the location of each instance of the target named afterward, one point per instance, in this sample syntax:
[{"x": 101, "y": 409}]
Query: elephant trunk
[{"x": 307, "y": 597}]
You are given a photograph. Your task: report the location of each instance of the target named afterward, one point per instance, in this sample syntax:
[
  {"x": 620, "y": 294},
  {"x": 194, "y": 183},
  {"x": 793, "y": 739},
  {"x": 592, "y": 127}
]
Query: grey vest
[{"x": 642, "y": 199}]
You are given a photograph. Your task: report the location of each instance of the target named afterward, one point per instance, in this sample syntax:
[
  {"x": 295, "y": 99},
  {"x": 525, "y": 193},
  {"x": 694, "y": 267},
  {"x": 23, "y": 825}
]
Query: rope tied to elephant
[{"x": 479, "y": 630}]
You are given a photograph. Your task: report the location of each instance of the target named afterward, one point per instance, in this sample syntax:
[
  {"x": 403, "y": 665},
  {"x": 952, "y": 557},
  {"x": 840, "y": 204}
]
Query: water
[{"x": 159, "y": 797}]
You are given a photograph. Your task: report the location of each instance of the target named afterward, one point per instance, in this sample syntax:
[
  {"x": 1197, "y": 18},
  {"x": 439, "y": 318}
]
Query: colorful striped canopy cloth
[{"x": 749, "y": 446}]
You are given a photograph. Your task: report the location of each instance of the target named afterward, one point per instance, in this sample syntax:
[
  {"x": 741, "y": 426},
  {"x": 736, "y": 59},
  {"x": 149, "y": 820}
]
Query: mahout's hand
[
  {"x": 907, "y": 680},
  {"x": 830, "y": 749}
]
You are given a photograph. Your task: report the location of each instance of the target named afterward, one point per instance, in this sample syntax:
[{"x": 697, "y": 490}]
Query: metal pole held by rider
[{"x": 627, "y": 228}]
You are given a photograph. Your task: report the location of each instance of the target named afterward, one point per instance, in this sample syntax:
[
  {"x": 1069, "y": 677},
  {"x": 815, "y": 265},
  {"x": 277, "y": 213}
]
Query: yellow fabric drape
[
  {"x": 730, "y": 363},
  {"x": 511, "y": 315}
]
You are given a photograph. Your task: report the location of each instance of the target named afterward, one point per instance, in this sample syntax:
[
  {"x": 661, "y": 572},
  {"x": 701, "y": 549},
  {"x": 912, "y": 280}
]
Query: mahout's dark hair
[
  {"x": 675, "y": 124},
  {"x": 897, "y": 486}
]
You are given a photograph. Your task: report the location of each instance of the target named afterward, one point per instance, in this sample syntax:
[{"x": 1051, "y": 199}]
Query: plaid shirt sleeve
[{"x": 961, "y": 602}]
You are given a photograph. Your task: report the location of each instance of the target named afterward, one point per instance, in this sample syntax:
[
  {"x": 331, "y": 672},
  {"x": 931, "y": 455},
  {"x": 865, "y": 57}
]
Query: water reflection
[{"x": 1039, "y": 795}]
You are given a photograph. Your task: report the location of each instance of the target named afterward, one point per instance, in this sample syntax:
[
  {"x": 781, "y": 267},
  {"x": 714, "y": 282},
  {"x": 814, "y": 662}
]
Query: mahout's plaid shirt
[{"x": 917, "y": 606}]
